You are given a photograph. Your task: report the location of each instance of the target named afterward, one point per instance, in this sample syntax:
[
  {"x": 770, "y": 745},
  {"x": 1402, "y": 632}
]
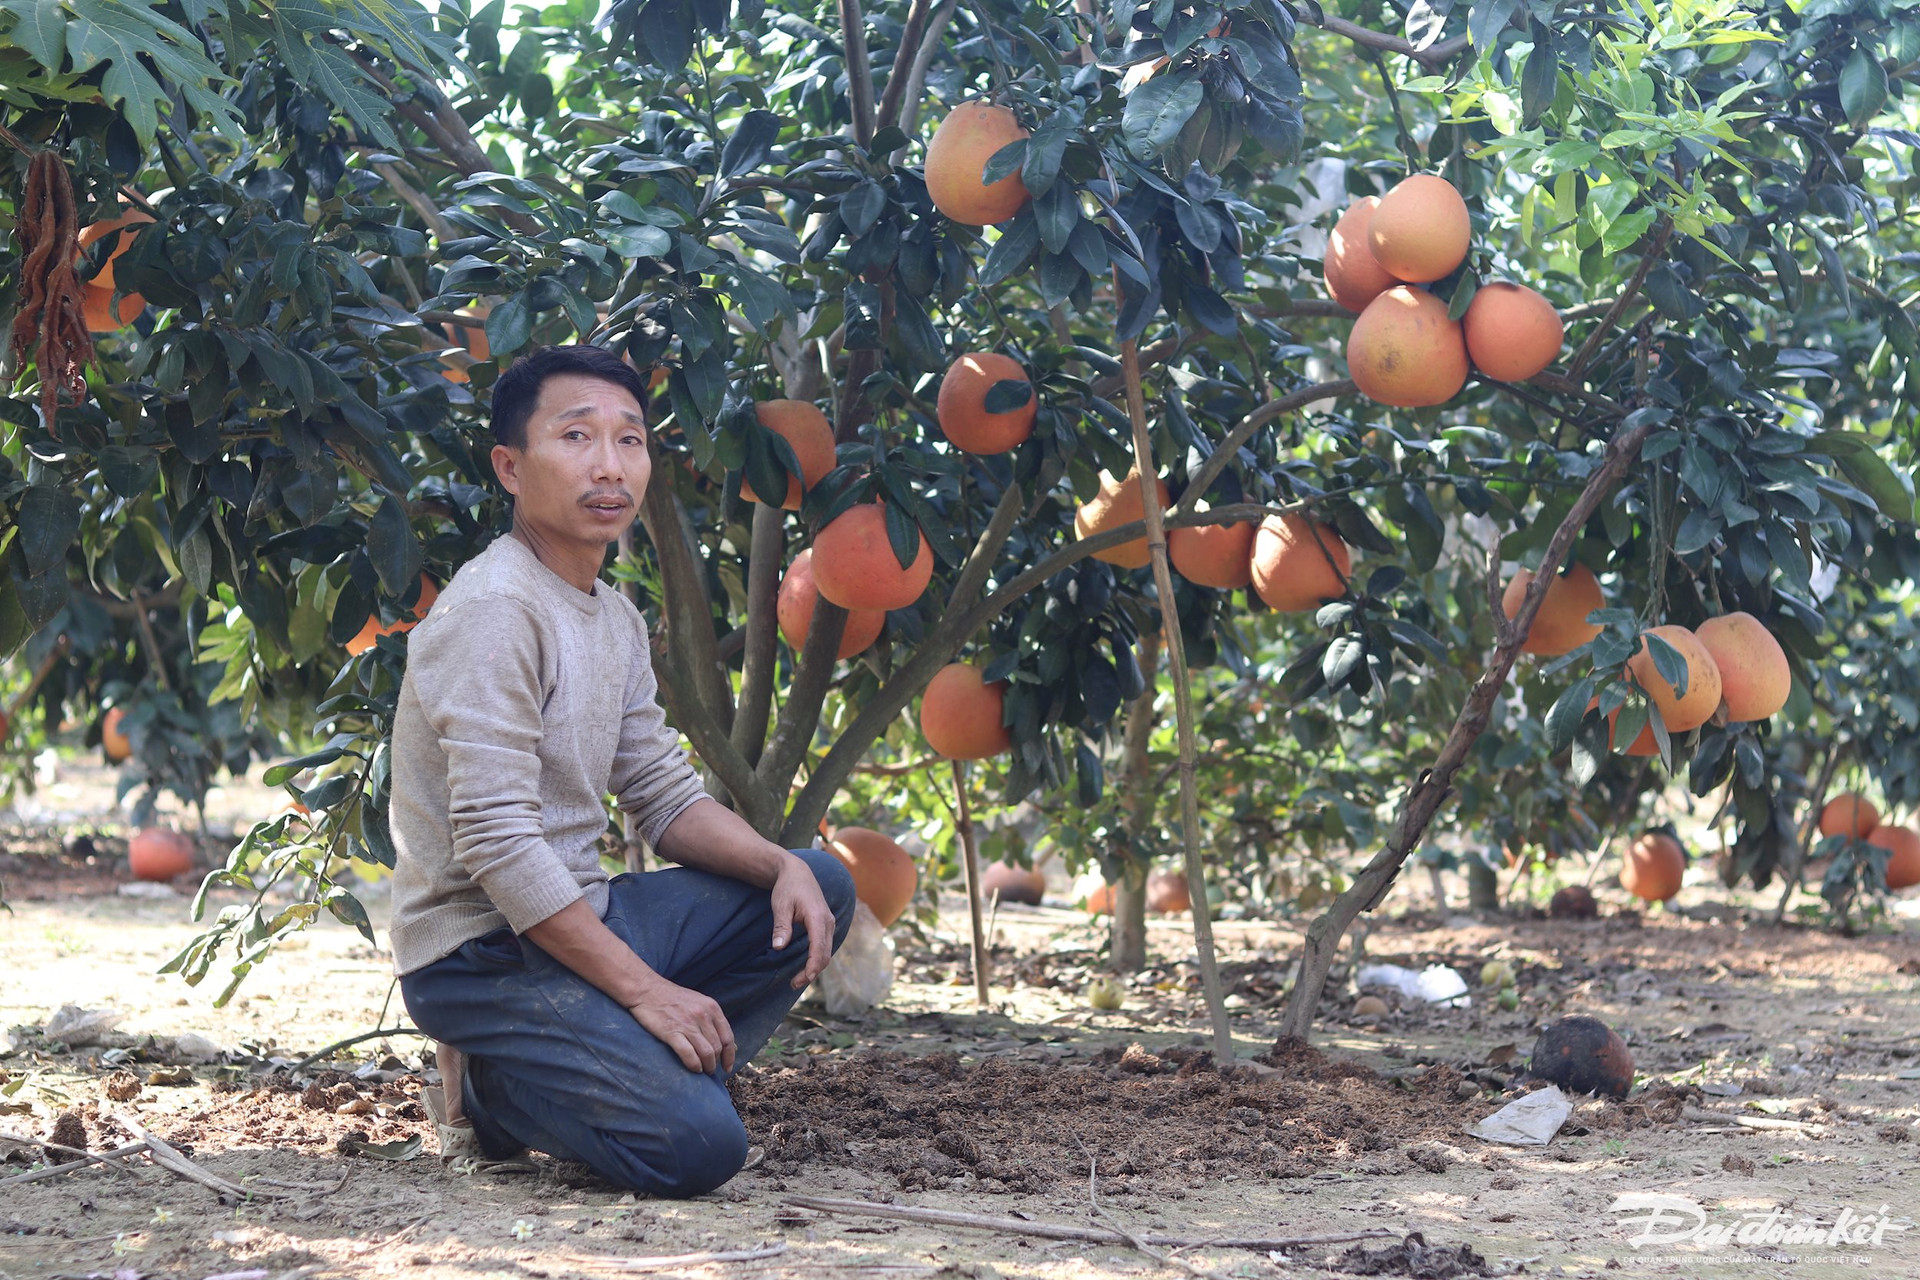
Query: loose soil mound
[{"x": 1153, "y": 1120}]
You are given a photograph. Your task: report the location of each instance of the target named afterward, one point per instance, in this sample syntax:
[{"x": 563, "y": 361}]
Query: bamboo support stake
[
  {"x": 970, "y": 864},
  {"x": 1182, "y": 707}
]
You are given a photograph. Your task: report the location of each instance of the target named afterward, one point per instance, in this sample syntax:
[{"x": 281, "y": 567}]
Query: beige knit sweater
[{"x": 526, "y": 700}]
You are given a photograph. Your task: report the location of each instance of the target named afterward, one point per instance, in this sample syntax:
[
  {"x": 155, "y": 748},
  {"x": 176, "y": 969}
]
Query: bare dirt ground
[{"x": 931, "y": 1103}]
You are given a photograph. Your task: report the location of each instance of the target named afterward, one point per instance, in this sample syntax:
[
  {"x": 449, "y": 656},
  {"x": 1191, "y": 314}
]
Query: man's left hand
[{"x": 797, "y": 900}]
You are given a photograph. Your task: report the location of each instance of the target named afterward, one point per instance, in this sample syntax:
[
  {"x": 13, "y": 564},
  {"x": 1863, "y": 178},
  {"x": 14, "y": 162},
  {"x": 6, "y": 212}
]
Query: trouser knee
[
  {"x": 836, "y": 885},
  {"x": 707, "y": 1151}
]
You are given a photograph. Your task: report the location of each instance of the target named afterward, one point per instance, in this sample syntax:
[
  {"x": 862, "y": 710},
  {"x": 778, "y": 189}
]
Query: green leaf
[
  {"x": 144, "y": 54},
  {"x": 509, "y": 326},
  {"x": 1486, "y": 19},
  {"x": 1863, "y": 87},
  {"x": 1668, "y": 662},
  {"x": 40, "y": 28},
  {"x": 1008, "y": 394},
  {"x": 49, "y": 522},
  {"x": 391, "y": 546},
  {"x": 278, "y": 774},
  {"x": 750, "y": 144},
  {"x": 1156, "y": 113},
  {"x": 903, "y": 535},
  {"x": 1564, "y": 717}
]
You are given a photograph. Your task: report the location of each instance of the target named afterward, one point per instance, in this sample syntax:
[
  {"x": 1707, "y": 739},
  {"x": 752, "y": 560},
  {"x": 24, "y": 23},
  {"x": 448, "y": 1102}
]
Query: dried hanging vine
[{"x": 52, "y": 322}]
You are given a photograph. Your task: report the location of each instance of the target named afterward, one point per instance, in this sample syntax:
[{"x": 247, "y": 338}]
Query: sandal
[{"x": 460, "y": 1150}]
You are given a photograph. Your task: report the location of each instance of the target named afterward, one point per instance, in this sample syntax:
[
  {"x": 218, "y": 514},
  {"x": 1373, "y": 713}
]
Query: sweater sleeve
[
  {"x": 481, "y": 690},
  {"x": 652, "y": 777}
]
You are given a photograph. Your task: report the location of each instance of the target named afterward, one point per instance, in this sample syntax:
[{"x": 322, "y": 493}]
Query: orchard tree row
[{"x": 1453, "y": 408}]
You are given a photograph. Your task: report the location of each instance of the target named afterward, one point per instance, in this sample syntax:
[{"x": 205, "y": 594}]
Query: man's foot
[{"x": 460, "y": 1150}]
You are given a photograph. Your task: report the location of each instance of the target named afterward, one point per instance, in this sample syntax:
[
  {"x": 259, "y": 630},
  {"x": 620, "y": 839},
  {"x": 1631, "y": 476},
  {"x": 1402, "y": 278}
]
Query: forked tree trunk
[{"x": 1128, "y": 951}]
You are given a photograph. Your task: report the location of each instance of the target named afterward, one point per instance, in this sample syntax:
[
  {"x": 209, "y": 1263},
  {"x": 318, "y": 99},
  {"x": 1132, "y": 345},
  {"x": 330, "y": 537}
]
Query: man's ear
[{"x": 506, "y": 465}]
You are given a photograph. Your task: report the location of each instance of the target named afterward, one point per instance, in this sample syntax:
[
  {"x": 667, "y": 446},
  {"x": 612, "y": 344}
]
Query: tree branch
[
  {"x": 1435, "y": 785},
  {"x": 755, "y": 705},
  {"x": 1432, "y": 56},
  {"x": 416, "y": 200},
  {"x": 688, "y": 609},
  {"x": 751, "y": 798},
  {"x": 922, "y": 61},
  {"x": 853, "y": 39},
  {"x": 956, "y": 625},
  {"x": 902, "y": 69},
  {"x": 1217, "y": 462},
  {"x": 1661, "y": 232}
]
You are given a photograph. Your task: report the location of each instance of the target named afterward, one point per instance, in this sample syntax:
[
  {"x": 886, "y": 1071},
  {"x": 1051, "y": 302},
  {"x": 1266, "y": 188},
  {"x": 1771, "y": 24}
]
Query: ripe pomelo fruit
[
  {"x": 1354, "y": 276},
  {"x": 884, "y": 876},
  {"x": 1849, "y": 815},
  {"x": 471, "y": 336},
  {"x": 1653, "y": 867},
  {"x": 1420, "y": 230},
  {"x": 1512, "y": 332},
  {"x": 1013, "y": 884},
  {"x": 1403, "y": 351},
  {"x": 1754, "y": 677},
  {"x": 794, "y": 608},
  {"x": 1903, "y": 867},
  {"x": 374, "y": 628},
  {"x": 1561, "y": 626},
  {"x": 803, "y": 426},
  {"x": 957, "y": 158},
  {"x": 1118, "y": 502},
  {"x": 158, "y": 853},
  {"x": 1294, "y": 570},
  {"x": 1167, "y": 893},
  {"x": 106, "y": 313},
  {"x": 962, "y": 406},
  {"x": 1100, "y": 901},
  {"x": 854, "y": 565},
  {"x": 1213, "y": 555},
  {"x": 961, "y": 715},
  {"x": 125, "y": 225},
  {"x": 113, "y": 741},
  {"x": 1702, "y": 698}
]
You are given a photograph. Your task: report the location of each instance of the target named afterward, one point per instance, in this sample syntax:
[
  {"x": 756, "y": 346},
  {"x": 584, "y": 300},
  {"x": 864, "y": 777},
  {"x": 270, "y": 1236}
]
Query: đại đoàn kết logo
[{"x": 1656, "y": 1219}]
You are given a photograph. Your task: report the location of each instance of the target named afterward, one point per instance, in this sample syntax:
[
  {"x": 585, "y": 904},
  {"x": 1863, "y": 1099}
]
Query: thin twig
[
  {"x": 773, "y": 1250},
  {"x": 1065, "y": 1231},
  {"x": 170, "y": 1159},
  {"x": 111, "y": 1159},
  {"x": 349, "y": 1042},
  {"x": 970, "y": 866},
  {"x": 1657, "y": 247}
]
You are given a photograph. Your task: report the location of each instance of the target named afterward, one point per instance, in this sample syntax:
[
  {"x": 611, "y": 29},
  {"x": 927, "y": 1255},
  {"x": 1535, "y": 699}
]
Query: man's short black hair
[{"x": 519, "y": 387}]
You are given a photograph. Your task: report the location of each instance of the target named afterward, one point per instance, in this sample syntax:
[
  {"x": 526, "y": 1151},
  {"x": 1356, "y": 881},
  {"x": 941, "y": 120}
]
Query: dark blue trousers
[{"x": 555, "y": 1064}]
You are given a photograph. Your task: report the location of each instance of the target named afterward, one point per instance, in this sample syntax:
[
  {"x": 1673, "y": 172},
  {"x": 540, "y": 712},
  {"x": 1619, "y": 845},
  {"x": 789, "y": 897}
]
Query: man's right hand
[{"x": 688, "y": 1023}]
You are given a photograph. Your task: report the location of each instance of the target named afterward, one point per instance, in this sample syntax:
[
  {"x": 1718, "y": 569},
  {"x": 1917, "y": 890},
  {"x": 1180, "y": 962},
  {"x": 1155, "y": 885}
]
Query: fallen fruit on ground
[
  {"x": 1849, "y": 815},
  {"x": 957, "y": 158},
  {"x": 962, "y": 716},
  {"x": 1561, "y": 625},
  {"x": 1404, "y": 351},
  {"x": 1106, "y": 994},
  {"x": 1298, "y": 564},
  {"x": 1496, "y": 974},
  {"x": 1653, "y": 867},
  {"x": 1213, "y": 555},
  {"x": 1583, "y": 1055},
  {"x": 805, "y": 428},
  {"x": 1512, "y": 332},
  {"x": 374, "y": 628},
  {"x": 159, "y": 853},
  {"x": 1903, "y": 846},
  {"x": 884, "y": 876},
  {"x": 794, "y": 608},
  {"x": 1354, "y": 276},
  {"x": 1575, "y": 902},
  {"x": 1100, "y": 901},
  {"x": 113, "y": 740},
  {"x": 1754, "y": 677},
  {"x": 1680, "y": 712},
  {"x": 1370, "y": 1007},
  {"x": 1420, "y": 230},
  {"x": 1118, "y": 503},
  {"x": 962, "y": 409},
  {"x": 855, "y": 567},
  {"x": 1014, "y": 884},
  {"x": 1167, "y": 893}
]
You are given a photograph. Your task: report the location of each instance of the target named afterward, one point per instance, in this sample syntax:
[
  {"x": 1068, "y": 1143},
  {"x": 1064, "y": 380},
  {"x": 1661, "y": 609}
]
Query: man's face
[{"x": 585, "y": 467}]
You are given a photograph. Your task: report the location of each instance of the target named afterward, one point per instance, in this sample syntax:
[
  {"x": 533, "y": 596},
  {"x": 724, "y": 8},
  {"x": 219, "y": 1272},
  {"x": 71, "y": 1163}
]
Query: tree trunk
[
  {"x": 1483, "y": 887},
  {"x": 1128, "y": 953},
  {"x": 1128, "y": 950}
]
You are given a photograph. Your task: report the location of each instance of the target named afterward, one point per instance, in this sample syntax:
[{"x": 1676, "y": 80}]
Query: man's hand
[
  {"x": 797, "y": 900},
  {"x": 688, "y": 1023}
]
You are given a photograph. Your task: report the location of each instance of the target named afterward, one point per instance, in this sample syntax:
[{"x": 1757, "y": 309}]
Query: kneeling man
[{"x": 592, "y": 1018}]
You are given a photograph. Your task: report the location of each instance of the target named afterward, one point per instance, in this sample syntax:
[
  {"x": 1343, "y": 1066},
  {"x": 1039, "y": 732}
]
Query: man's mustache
[{"x": 601, "y": 495}]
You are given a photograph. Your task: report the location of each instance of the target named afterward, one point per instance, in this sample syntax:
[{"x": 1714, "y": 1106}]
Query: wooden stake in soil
[
  {"x": 970, "y": 864},
  {"x": 1182, "y": 706}
]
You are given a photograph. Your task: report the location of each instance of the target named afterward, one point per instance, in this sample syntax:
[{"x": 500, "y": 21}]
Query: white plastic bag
[
  {"x": 1436, "y": 984},
  {"x": 860, "y": 975}
]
